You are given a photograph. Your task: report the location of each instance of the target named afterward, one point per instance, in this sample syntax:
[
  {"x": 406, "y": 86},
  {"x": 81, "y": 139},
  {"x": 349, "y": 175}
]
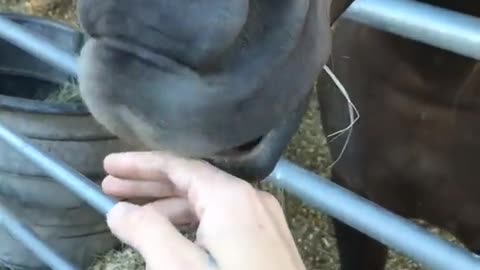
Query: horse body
[{"x": 414, "y": 149}]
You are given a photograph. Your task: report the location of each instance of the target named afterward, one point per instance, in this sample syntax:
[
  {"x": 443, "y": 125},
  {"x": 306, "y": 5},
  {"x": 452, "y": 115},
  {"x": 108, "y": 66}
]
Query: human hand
[{"x": 240, "y": 227}]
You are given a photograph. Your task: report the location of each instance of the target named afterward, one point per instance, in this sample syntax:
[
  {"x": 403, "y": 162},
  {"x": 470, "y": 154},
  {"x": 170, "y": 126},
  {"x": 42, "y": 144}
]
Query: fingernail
[{"x": 112, "y": 157}]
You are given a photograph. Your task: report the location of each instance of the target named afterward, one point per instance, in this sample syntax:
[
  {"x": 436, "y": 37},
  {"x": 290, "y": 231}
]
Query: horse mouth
[
  {"x": 243, "y": 149},
  {"x": 252, "y": 157},
  {"x": 137, "y": 50}
]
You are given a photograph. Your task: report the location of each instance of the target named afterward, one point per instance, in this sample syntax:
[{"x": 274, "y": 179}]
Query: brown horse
[
  {"x": 228, "y": 81},
  {"x": 414, "y": 149}
]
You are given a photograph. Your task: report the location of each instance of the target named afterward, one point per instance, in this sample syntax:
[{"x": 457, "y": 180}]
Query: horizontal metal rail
[
  {"x": 446, "y": 29},
  {"x": 441, "y": 28},
  {"x": 393, "y": 231}
]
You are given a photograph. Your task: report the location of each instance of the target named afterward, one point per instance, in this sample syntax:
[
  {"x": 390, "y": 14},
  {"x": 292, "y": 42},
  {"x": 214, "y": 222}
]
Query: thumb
[{"x": 155, "y": 237}]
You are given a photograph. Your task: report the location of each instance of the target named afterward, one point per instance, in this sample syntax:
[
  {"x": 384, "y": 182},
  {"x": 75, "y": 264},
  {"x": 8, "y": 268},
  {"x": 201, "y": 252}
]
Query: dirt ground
[{"x": 312, "y": 230}]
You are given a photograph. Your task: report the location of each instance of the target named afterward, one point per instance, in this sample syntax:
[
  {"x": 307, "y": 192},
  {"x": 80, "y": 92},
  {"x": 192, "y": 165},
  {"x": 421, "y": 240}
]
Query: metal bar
[
  {"x": 392, "y": 230},
  {"x": 30, "y": 239},
  {"x": 37, "y": 46},
  {"x": 335, "y": 201},
  {"x": 59, "y": 171},
  {"x": 449, "y": 30},
  {"x": 438, "y": 27}
]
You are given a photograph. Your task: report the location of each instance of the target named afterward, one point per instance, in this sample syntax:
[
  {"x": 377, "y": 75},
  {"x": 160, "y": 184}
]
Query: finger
[
  {"x": 275, "y": 211},
  {"x": 139, "y": 201},
  {"x": 126, "y": 188},
  {"x": 152, "y": 234},
  {"x": 179, "y": 214},
  {"x": 134, "y": 165},
  {"x": 189, "y": 177},
  {"x": 214, "y": 196},
  {"x": 203, "y": 185},
  {"x": 250, "y": 231},
  {"x": 177, "y": 210},
  {"x": 277, "y": 214}
]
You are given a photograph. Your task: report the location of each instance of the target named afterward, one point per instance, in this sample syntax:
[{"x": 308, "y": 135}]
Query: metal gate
[{"x": 431, "y": 25}]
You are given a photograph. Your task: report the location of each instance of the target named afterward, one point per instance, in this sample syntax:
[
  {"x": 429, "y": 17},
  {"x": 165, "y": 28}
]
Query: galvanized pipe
[
  {"x": 335, "y": 201},
  {"x": 445, "y": 29},
  {"x": 449, "y": 30},
  {"x": 371, "y": 219},
  {"x": 30, "y": 240},
  {"x": 38, "y": 46}
]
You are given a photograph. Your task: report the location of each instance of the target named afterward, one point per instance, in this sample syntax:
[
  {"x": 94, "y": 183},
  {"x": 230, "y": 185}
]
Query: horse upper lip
[{"x": 138, "y": 50}]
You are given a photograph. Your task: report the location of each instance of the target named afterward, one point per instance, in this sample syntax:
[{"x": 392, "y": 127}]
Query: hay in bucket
[{"x": 68, "y": 93}]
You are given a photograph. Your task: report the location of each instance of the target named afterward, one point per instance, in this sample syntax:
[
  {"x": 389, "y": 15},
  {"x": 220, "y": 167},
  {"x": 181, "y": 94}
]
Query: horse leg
[
  {"x": 358, "y": 251},
  {"x": 469, "y": 235}
]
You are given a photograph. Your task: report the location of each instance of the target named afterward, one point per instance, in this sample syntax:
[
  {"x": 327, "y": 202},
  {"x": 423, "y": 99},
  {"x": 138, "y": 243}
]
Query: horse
[
  {"x": 205, "y": 79},
  {"x": 229, "y": 82},
  {"x": 413, "y": 149}
]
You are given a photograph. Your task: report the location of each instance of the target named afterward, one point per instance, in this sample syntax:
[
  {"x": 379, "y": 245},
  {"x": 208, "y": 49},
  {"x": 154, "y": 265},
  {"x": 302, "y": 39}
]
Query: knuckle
[
  {"x": 203, "y": 167},
  {"x": 245, "y": 189},
  {"x": 235, "y": 193},
  {"x": 148, "y": 219},
  {"x": 269, "y": 199},
  {"x": 266, "y": 195},
  {"x": 143, "y": 214},
  {"x": 149, "y": 210},
  {"x": 106, "y": 182},
  {"x": 200, "y": 163}
]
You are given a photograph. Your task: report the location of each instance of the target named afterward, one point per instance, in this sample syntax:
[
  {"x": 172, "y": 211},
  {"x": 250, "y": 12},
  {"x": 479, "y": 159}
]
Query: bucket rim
[{"x": 18, "y": 104}]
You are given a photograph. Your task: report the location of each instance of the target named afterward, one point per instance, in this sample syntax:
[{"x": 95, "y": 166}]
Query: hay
[
  {"x": 42, "y": 6},
  {"x": 126, "y": 259},
  {"x": 69, "y": 93}
]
